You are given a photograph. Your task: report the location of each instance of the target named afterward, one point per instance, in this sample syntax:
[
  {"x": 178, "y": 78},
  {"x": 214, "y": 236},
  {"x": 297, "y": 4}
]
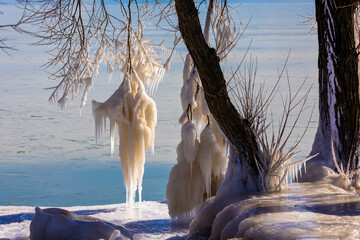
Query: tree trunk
[
  {"x": 338, "y": 84},
  {"x": 207, "y": 64}
]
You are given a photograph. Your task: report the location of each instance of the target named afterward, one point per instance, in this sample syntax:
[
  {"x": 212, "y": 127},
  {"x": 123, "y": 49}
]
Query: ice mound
[
  {"x": 56, "y": 223},
  {"x": 319, "y": 209}
]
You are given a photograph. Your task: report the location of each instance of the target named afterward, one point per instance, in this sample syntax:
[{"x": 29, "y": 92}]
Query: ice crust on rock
[
  {"x": 58, "y": 223},
  {"x": 146, "y": 221}
]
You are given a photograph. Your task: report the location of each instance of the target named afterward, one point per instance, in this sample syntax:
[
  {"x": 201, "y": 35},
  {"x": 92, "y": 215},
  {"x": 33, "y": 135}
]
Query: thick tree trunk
[
  {"x": 207, "y": 64},
  {"x": 338, "y": 84}
]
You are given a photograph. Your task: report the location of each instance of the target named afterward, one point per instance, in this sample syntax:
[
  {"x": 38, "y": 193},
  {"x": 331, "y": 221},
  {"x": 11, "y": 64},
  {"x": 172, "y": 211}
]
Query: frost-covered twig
[
  {"x": 347, "y": 176},
  {"x": 74, "y": 28}
]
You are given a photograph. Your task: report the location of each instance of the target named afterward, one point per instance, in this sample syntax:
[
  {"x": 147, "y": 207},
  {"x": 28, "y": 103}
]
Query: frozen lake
[{"x": 49, "y": 156}]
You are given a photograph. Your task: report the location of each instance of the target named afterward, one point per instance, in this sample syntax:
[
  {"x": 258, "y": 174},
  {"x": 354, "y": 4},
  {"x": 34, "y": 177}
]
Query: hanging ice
[
  {"x": 190, "y": 142},
  {"x": 186, "y": 186},
  {"x": 211, "y": 158},
  {"x": 135, "y": 115}
]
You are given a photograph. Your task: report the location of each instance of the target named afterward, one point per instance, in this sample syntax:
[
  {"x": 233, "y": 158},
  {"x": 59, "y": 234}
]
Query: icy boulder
[{"x": 59, "y": 224}]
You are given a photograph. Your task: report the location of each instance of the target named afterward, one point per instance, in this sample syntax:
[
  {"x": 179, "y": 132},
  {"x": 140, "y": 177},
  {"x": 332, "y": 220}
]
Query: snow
[{"x": 146, "y": 220}]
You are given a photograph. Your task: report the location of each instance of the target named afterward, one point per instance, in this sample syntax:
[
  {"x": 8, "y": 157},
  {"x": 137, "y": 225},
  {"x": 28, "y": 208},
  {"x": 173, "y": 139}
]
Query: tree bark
[
  {"x": 339, "y": 109},
  {"x": 207, "y": 64}
]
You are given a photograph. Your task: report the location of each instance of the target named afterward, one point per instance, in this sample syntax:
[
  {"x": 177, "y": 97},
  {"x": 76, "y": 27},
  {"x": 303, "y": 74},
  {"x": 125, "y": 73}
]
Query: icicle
[
  {"x": 206, "y": 157},
  {"x": 184, "y": 117},
  {"x": 185, "y": 188},
  {"x": 167, "y": 65},
  {"x": 187, "y": 70},
  {"x": 99, "y": 116},
  {"x": 220, "y": 137},
  {"x": 99, "y": 56},
  {"x": 191, "y": 144},
  {"x": 211, "y": 158},
  {"x": 116, "y": 235},
  {"x": 112, "y": 136},
  {"x": 110, "y": 68},
  {"x": 88, "y": 84},
  {"x": 204, "y": 107},
  {"x": 190, "y": 92}
]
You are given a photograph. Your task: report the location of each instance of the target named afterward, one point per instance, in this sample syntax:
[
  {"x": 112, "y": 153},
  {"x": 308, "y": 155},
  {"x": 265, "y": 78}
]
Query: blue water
[
  {"x": 49, "y": 156},
  {"x": 69, "y": 184}
]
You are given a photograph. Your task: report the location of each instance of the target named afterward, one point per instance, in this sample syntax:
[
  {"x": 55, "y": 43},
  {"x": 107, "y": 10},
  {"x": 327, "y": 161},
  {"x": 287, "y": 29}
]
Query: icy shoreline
[{"x": 306, "y": 210}]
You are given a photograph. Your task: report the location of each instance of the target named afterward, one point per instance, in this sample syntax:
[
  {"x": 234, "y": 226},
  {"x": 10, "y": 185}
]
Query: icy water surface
[{"x": 49, "y": 156}]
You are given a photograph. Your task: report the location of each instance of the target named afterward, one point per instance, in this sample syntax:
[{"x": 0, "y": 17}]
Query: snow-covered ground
[
  {"x": 305, "y": 211},
  {"x": 150, "y": 220}
]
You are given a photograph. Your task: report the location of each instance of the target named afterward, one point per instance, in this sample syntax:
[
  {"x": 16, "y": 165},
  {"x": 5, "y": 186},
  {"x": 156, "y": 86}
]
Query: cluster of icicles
[
  {"x": 134, "y": 114},
  {"x": 201, "y": 165},
  {"x": 131, "y": 111}
]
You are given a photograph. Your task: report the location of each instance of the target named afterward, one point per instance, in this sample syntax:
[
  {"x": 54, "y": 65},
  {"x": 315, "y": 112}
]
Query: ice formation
[
  {"x": 134, "y": 114},
  {"x": 185, "y": 188},
  {"x": 190, "y": 142},
  {"x": 212, "y": 159},
  {"x": 285, "y": 215},
  {"x": 130, "y": 109},
  {"x": 201, "y": 165},
  {"x": 225, "y": 36},
  {"x": 55, "y": 223},
  {"x": 200, "y": 169}
]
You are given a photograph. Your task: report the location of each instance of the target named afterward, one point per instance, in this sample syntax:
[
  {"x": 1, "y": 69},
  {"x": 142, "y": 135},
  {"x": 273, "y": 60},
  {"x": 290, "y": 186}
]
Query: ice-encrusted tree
[
  {"x": 254, "y": 159},
  {"x": 339, "y": 102}
]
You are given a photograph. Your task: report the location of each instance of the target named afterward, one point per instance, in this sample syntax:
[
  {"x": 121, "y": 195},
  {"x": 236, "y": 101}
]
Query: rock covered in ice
[{"x": 59, "y": 224}]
